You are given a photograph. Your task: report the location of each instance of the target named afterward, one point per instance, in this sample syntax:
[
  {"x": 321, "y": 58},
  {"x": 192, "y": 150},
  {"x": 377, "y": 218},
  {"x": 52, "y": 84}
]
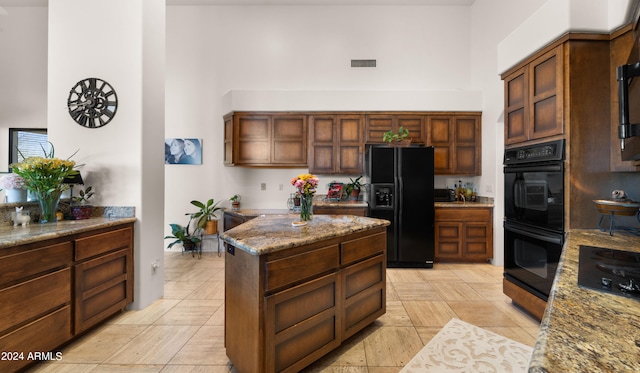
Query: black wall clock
[{"x": 92, "y": 102}]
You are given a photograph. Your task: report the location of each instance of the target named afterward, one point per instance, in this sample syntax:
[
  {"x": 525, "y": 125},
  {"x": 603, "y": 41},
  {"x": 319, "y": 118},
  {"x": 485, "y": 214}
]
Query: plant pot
[
  {"x": 81, "y": 212},
  {"x": 355, "y": 194},
  {"x": 235, "y": 205},
  {"x": 188, "y": 245},
  {"x": 211, "y": 227}
]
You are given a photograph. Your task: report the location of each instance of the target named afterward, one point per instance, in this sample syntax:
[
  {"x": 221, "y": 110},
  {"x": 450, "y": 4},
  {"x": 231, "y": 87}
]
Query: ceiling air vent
[{"x": 363, "y": 63}]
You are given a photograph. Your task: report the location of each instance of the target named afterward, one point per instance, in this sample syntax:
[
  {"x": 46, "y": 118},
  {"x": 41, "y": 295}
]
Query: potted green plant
[
  {"x": 400, "y": 138},
  {"x": 82, "y": 210},
  {"x": 206, "y": 217},
  {"x": 235, "y": 201},
  {"x": 353, "y": 188},
  {"x": 182, "y": 236}
]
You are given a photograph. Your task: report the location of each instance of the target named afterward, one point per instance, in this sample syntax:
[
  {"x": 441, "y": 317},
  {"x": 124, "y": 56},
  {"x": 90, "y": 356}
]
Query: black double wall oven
[{"x": 534, "y": 215}]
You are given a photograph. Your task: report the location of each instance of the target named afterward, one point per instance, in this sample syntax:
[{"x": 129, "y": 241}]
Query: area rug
[{"x": 462, "y": 347}]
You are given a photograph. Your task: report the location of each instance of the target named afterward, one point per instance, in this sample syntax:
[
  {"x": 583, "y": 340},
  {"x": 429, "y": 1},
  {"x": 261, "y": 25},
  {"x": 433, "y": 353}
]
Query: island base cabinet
[{"x": 279, "y": 318}]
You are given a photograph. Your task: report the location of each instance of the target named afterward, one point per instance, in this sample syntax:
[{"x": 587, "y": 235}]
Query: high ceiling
[{"x": 276, "y": 2}]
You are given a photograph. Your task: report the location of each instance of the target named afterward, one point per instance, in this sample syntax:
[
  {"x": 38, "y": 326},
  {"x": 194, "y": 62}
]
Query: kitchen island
[
  {"x": 294, "y": 293},
  {"x": 585, "y": 330}
]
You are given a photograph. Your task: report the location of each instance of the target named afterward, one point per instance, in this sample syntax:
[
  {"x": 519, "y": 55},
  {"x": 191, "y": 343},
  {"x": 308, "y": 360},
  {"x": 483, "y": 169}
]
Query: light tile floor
[{"x": 184, "y": 331}]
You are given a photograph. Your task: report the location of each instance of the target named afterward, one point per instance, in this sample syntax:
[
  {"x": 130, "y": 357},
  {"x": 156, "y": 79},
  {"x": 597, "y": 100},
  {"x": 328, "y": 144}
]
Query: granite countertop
[
  {"x": 318, "y": 200},
  {"x": 584, "y": 330},
  {"x": 481, "y": 202},
  {"x": 12, "y": 236},
  {"x": 269, "y": 233}
]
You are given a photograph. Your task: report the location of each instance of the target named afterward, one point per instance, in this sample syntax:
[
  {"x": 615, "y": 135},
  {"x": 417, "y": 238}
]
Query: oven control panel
[{"x": 549, "y": 151}]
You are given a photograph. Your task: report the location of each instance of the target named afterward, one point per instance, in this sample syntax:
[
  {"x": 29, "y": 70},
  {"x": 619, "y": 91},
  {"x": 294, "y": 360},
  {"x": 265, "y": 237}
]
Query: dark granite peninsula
[
  {"x": 294, "y": 293},
  {"x": 585, "y": 330}
]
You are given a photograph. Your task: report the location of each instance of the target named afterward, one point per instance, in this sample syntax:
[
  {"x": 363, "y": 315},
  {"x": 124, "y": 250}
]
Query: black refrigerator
[{"x": 401, "y": 191}]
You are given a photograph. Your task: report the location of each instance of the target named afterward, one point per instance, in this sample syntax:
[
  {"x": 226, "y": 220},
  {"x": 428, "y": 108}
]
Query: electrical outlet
[
  {"x": 263, "y": 186},
  {"x": 281, "y": 187},
  {"x": 489, "y": 188}
]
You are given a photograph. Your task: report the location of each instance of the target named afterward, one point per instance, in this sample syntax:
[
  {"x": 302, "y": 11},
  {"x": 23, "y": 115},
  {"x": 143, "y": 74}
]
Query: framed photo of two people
[{"x": 182, "y": 151}]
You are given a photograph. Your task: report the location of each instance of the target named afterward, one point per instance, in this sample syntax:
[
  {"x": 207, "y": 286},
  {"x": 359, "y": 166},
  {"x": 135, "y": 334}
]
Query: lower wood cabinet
[
  {"x": 463, "y": 234},
  {"x": 54, "y": 290},
  {"x": 286, "y": 309}
]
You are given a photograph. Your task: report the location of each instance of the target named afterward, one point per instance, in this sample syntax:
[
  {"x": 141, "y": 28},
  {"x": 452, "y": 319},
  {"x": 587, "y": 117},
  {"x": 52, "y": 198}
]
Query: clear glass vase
[
  {"x": 48, "y": 205},
  {"x": 306, "y": 207}
]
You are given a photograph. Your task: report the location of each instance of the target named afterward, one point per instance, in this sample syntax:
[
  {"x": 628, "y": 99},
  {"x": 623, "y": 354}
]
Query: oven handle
[
  {"x": 542, "y": 236},
  {"x": 556, "y": 167}
]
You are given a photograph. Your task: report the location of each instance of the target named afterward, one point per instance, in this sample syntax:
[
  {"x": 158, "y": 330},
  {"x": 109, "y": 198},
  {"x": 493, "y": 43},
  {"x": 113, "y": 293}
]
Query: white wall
[
  {"x": 23, "y": 73},
  {"x": 273, "y": 53},
  {"x": 123, "y": 158}
]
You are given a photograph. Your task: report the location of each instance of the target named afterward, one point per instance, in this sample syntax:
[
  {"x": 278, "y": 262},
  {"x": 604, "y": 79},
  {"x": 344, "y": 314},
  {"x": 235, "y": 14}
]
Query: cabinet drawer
[
  {"x": 361, "y": 248},
  {"x": 103, "y": 243},
  {"x": 462, "y": 214},
  {"x": 287, "y": 271},
  {"x": 41, "y": 335},
  {"x": 24, "y": 264},
  {"x": 34, "y": 298}
]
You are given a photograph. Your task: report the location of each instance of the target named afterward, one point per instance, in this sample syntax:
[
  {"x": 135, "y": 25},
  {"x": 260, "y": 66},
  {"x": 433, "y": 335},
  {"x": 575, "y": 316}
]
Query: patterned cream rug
[{"x": 462, "y": 347}]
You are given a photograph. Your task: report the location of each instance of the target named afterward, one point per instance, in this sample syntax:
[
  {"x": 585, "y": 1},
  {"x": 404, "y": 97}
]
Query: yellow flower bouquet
[
  {"x": 44, "y": 176},
  {"x": 306, "y": 185}
]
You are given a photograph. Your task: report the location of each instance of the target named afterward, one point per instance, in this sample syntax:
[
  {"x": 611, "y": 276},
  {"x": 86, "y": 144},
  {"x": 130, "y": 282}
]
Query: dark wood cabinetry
[
  {"x": 336, "y": 144},
  {"x": 378, "y": 124},
  {"x": 457, "y": 143},
  {"x": 534, "y": 98},
  {"x": 55, "y": 289},
  {"x": 265, "y": 139},
  {"x": 286, "y": 309},
  {"x": 463, "y": 234}
]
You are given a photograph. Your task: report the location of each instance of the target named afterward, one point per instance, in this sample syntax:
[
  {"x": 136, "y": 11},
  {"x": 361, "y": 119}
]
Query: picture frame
[{"x": 183, "y": 150}]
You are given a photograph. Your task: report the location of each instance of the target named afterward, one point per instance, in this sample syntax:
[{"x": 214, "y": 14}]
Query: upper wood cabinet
[
  {"x": 534, "y": 98},
  {"x": 266, "y": 139},
  {"x": 377, "y": 124},
  {"x": 457, "y": 143},
  {"x": 336, "y": 144}
]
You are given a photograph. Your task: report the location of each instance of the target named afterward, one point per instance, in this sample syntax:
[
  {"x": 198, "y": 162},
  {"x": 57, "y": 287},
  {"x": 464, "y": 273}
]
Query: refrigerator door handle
[{"x": 400, "y": 194}]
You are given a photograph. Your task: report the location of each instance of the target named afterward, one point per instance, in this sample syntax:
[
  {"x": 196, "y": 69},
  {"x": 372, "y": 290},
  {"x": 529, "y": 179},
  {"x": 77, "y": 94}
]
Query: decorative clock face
[{"x": 92, "y": 103}]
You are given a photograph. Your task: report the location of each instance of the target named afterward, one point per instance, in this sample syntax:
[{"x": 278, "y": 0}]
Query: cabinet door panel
[
  {"x": 289, "y": 140},
  {"x": 546, "y": 92},
  {"x": 287, "y": 271},
  {"x": 415, "y": 125},
  {"x": 442, "y": 160},
  {"x": 350, "y": 159},
  {"x": 516, "y": 98},
  {"x": 323, "y": 160},
  {"x": 440, "y": 131},
  {"x": 103, "y": 286},
  {"x": 302, "y": 323},
  {"x": 466, "y": 160},
  {"x": 376, "y": 126}
]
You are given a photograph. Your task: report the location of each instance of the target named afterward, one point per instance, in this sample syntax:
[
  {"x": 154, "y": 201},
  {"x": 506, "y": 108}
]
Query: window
[{"x": 27, "y": 142}]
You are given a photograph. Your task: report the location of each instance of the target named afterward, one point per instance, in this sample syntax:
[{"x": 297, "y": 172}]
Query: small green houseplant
[
  {"x": 353, "y": 188},
  {"x": 391, "y": 137},
  {"x": 206, "y": 216},
  {"x": 82, "y": 210},
  {"x": 183, "y": 236},
  {"x": 235, "y": 201}
]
